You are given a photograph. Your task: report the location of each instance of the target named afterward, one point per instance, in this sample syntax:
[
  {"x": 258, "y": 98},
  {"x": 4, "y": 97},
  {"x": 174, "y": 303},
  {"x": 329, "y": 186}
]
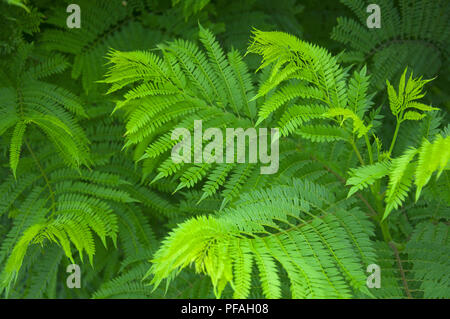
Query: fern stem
[
  {"x": 52, "y": 194},
  {"x": 358, "y": 154}
]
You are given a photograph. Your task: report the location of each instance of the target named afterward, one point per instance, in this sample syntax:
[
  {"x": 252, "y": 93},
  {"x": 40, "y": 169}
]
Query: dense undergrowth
[{"x": 87, "y": 178}]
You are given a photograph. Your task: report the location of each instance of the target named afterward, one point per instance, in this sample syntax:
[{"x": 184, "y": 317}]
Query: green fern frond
[
  {"x": 411, "y": 33},
  {"x": 16, "y": 145},
  {"x": 362, "y": 177},
  {"x": 432, "y": 157},
  {"x": 265, "y": 228},
  {"x": 358, "y": 124},
  {"x": 408, "y": 91},
  {"x": 323, "y": 133},
  {"x": 400, "y": 179},
  {"x": 427, "y": 251}
]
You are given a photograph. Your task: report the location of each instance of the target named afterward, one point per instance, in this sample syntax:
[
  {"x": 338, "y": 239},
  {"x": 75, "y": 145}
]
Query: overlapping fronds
[
  {"x": 322, "y": 247},
  {"x": 311, "y": 87}
]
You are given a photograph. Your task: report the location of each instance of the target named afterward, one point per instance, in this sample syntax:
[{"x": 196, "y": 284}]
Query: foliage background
[{"x": 69, "y": 189}]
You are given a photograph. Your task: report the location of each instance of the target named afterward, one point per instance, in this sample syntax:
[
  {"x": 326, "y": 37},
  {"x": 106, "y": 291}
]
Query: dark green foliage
[{"x": 86, "y": 117}]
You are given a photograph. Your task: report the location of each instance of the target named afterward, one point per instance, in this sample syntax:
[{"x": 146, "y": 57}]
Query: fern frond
[
  {"x": 323, "y": 133},
  {"x": 400, "y": 179},
  {"x": 427, "y": 251},
  {"x": 16, "y": 145},
  {"x": 420, "y": 30},
  {"x": 358, "y": 124},
  {"x": 432, "y": 157},
  {"x": 362, "y": 177}
]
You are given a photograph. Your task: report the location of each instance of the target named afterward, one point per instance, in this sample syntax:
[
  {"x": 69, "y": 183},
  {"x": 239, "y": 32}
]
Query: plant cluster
[{"x": 87, "y": 178}]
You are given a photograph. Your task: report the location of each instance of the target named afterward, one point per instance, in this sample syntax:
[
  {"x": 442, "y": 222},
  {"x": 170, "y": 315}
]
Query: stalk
[{"x": 394, "y": 138}]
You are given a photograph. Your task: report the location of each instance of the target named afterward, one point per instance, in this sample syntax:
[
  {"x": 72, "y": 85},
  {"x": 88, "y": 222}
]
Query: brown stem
[{"x": 402, "y": 272}]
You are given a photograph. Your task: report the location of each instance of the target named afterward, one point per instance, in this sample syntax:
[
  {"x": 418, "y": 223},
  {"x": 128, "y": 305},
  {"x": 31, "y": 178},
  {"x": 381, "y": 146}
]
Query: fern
[
  {"x": 426, "y": 250},
  {"x": 297, "y": 229},
  {"x": 326, "y": 83},
  {"x": 194, "y": 85},
  {"x": 412, "y": 33},
  {"x": 364, "y": 176},
  {"x": 87, "y": 177},
  {"x": 44, "y": 106}
]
